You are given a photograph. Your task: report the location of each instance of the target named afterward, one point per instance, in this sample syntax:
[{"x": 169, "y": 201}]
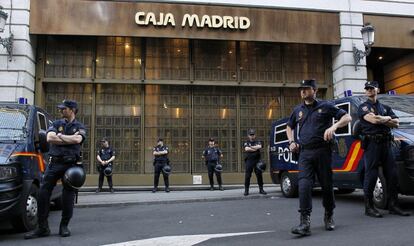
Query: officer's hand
[
  {"x": 329, "y": 133},
  {"x": 294, "y": 147}
]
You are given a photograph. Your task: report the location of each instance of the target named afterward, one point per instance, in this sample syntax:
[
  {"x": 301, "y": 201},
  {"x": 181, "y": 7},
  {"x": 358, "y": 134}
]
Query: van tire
[
  {"x": 380, "y": 192},
  {"x": 27, "y": 220},
  {"x": 288, "y": 185}
]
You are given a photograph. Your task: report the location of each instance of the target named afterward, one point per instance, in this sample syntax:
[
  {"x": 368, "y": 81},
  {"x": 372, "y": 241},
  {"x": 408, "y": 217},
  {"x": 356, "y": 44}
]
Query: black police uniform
[
  {"x": 62, "y": 157},
  {"x": 251, "y": 159},
  {"x": 315, "y": 153},
  {"x": 105, "y": 154},
  {"x": 376, "y": 143},
  {"x": 159, "y": 162},
  {"x": 212, "y": 156}
]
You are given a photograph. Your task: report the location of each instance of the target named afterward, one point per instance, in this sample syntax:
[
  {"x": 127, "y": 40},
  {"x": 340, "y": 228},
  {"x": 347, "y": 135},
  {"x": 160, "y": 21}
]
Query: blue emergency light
[
  {"x": 391, "y": 92},
  {"x": 22, "y": 100}
]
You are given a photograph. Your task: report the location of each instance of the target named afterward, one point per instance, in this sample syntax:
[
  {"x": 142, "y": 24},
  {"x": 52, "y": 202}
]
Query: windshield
[
  {"x": 12, "y": 124},
  {"x": 403, "y": 107}
]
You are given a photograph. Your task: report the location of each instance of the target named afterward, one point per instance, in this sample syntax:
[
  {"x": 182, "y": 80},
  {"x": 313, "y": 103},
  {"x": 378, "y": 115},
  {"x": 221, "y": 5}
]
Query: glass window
[
  {"x": 167, "y": 59},
  {"x": 69, "y": 57},
  {"x": 167, "y": 115},
  {"x": 118, "y": 118},
  {"x": 260, "y": 62},
  {"x": 259, "y": 107},
  {"x": 215, "y": 60},
  {"x": 118, "y": 58},
  {"x": 304, "y": 61},
  {"x": 214, "y": 113},
  {"x": 82, "y": 93}
]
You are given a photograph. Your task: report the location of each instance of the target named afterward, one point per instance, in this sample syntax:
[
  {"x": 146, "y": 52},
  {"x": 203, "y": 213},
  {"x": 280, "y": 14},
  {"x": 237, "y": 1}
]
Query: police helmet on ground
[
  {"x": 261, "y": 166},
  {"x": 218, "y": 168},
  {"x": 166, "y": 169},
  {"x": 74, "y": 178},
  {"x": 108, "y": 171}
]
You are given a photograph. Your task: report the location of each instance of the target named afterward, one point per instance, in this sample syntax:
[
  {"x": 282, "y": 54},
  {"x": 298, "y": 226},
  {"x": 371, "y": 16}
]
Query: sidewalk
[{"x": 179, "y": 194}]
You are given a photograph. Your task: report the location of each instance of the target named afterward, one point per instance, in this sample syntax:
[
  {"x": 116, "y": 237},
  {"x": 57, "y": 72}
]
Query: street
[{"x": 261, "y": 221}]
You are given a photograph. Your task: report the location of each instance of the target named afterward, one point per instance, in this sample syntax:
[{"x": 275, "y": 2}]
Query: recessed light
[{"x": 380, "y": 57}]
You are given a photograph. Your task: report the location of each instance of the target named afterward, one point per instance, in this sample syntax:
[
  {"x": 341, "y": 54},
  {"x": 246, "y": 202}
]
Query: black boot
[
  {"x": 154, "y": 190},
  {"x": 211, "y": 187},
  {"x": 167, "y": 189},
  {"x": 329, "y": 221},
  {"x": 246, "y": 192},
  {"x": 221, "y": 188},
  {"x": 370, "y": 210},
  {"x": 303, "y": 229},
  {"x": 261, "y": 191},
  {"x": 63, "y": 228},
  {"x": 39, "y": 232},
  {"x": 394, "y": 208}
]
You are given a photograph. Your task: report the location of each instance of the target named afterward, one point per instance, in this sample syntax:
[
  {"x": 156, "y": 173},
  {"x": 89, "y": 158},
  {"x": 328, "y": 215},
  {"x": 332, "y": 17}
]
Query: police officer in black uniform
[
  {"x": 252, "y": 156},
  {"x": 160, "y": 153},
  {"x": 376, "y": 121},
  {"x": 105, "y": 157},
  {"x": 315, "y": 136},
  {"x": 65, "y": 137},
  {"x": 212, "y": 155}
]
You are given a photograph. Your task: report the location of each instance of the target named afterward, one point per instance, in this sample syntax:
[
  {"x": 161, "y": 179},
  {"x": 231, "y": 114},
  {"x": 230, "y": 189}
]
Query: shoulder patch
[{"x": 365, "y": 108}]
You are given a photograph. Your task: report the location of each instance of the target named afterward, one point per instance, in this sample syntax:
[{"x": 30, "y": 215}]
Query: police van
[
  {"x": 347, "y": 161},
  {"x": 23, "y": 151}
]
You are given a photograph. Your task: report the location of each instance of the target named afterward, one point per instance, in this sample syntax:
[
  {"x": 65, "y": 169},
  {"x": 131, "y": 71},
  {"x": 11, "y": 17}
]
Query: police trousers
[
  {"x": 378, "y": 154},
  {"x": 53, "y": 173},
  {"x": 157, "y": 171},
  {"x": 211, "y": 171},
  {"x": 101, "y": 178},
  {"x": 250, "y": 166},
  {"x": 315, "y": 162}
]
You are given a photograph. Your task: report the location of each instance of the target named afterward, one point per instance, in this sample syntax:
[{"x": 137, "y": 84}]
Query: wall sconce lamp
[
  {"x": 367, "y": 32},
  {"x": 6, "y": 42}
]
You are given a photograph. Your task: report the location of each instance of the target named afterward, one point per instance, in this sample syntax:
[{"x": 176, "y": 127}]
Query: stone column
[
  {"x": 17, "y": 77},
  {"x": 345, "y": 77}
]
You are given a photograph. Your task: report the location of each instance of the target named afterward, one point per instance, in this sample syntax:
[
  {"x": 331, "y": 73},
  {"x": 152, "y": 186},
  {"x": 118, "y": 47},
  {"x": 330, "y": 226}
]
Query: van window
[
  {"x": 12, "y": 124},
  {"x": 41, "y": 119},
  {"x": 346, "y": 130},
  {"x": 280, "y": 134}
]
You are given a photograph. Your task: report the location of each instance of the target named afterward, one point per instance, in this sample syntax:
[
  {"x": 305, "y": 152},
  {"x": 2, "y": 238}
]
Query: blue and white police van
[
  {"x": 23, "y": 155},
  {"x": 347, "y": 161}
]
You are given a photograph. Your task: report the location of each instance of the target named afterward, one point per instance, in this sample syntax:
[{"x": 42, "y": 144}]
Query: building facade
[{"x": 190, "y": 70}]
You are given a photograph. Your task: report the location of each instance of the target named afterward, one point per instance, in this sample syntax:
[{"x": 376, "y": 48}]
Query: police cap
[
  {"x": 211, "y": 139},
  {"x": 371, "y": 84},
  {"x": 68, "y": 104},
  {"x": 308, "y": 83},
  {"x": 251, "y": 132}
]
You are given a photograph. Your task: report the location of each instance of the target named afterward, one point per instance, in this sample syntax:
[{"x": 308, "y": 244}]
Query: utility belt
[
  {"x": 64, "y": 159},
  {"x": 315, "y": 146},
  {"x": 376, "y": 138}
]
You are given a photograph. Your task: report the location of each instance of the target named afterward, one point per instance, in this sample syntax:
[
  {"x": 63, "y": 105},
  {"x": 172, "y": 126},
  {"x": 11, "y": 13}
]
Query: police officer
[
  {"x": 252, "y": 149},
  {"x": 315, "y": 135},
  {"x": 212, "y": 155},
  {"x": 160, "y": 153},
  {"x": 376, "y": 121},
  {"x": 105, "y": 157},
  {"x": 65, "y": 137}
]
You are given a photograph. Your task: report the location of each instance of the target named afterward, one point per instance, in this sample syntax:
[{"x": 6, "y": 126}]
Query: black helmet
[
  {"x": 218, "y": 168},
  {"x": 261, "y": 166},
  {"x": 166, "y": 169},
  {"x": 108, "y": 171},
  {"x": 74, "y": 178}
]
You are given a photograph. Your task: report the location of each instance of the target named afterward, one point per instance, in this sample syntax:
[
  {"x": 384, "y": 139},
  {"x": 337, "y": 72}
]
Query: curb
[{"x": 190, "y": 200}]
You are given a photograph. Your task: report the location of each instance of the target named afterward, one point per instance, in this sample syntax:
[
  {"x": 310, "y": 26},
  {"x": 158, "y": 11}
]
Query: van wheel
[
  {"x": 288, "y": 186},
  {"x": 27, "y": 220},
  {"x": 342, "y": 191},
  {"x": 380, "y": 192}
]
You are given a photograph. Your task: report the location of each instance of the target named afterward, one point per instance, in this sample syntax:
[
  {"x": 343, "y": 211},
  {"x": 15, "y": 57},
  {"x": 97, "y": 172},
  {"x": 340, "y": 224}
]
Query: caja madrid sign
[{"x": 204, "y": 21}]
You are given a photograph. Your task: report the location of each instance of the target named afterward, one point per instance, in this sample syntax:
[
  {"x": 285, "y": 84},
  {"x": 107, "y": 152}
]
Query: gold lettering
[
  {"x": 244, "y": 23},
  {"x": 190, "y": 19},
  {"x": 169, "y": 18},
  {"x": 138, "y": 18},
  {"x": 217, "y": 21}
]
